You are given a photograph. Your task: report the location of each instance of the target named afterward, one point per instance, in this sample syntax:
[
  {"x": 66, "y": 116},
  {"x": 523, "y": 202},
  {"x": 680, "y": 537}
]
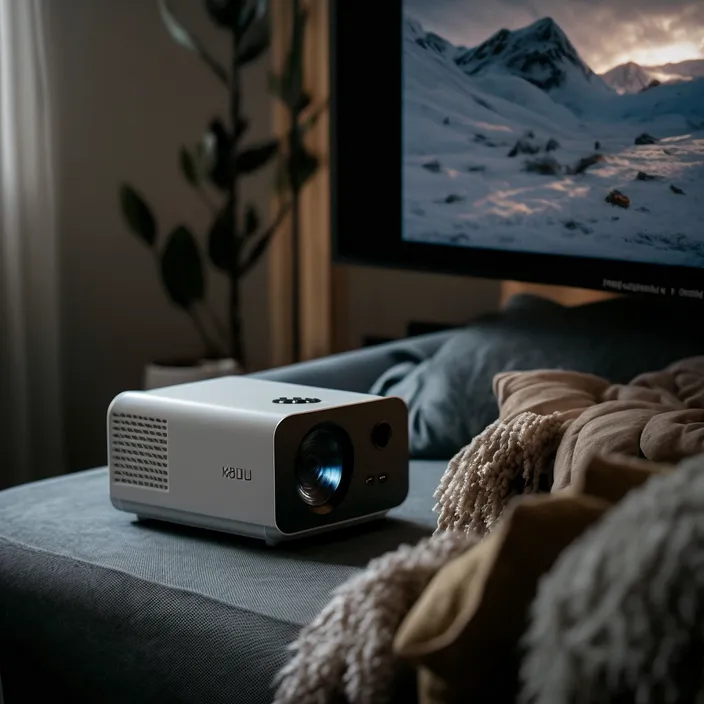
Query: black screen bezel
[{"x": 366, "y": 175}]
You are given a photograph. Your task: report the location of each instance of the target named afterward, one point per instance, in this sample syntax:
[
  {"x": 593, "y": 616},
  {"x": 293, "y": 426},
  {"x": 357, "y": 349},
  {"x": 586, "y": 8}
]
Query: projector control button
[
  {"x": 369, "y": 479},
  {"x": 295, "y": 399},
  {"x": 382, "y": 478}
]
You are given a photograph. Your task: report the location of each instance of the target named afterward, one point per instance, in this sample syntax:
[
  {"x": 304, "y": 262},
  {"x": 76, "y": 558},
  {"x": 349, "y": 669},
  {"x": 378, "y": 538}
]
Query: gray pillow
[{"x": 450, "y": 396}]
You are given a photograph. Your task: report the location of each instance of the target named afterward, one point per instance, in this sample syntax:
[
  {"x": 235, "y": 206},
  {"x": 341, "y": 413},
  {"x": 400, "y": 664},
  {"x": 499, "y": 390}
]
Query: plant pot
[{"x": 170, "y": 373}]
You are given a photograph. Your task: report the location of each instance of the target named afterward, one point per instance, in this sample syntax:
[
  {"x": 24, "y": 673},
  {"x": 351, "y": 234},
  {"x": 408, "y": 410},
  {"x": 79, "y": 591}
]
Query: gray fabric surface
[
  {"x": 113, "y": 610},
  {"x": 449, "y": 393}
]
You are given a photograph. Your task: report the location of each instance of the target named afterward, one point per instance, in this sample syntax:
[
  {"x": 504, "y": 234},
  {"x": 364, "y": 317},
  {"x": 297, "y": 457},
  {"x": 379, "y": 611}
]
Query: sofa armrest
[{"x": 357, "y": 370}]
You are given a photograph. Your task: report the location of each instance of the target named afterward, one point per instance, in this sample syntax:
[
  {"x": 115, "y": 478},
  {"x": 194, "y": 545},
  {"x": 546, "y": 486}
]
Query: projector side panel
[
  {"x": 137, "y": 445},
  {"x": 178, "y": 460}
]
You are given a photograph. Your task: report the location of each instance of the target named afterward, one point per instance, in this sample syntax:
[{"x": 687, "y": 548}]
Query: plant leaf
[
  {"x": 177, "y": 31},
  {"x": 253, "y": 51},
  {"x": 242, "y": 127},
  {"x": 182, "y": 268},
  {"x": 222, "y": 246},
  {"x": 256, "y": 252},
  {"x": 310, "y": 122},
  {"x": 291, "y": 81},
  {"x": 184, "y": 38},
  {"x": 254, "y": 158},
  {"x": 281, "y": 180},
  {"x": 289, "y": 92},
  {"x": 188, "y": 166},
  {"x": 303, "y": 167},
  {"x": 257, "y": 39},
  {"x": 219, "y": 142},
  {"x": 251, "y": 220},
  {"x": 224, "y": 12},
  {"x": 138, "y": 214},
  {"x": 263, "y": 242},
  {"x": 245, "y": 17},
  {"x": 304, "y": 100}
]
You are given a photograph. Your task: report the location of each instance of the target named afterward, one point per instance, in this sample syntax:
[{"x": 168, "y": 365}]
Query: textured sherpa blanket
[
  {"x": 551, "y": 422},
  {"x": 620, "y": 617},
  {"x": 550, "y": 425}
]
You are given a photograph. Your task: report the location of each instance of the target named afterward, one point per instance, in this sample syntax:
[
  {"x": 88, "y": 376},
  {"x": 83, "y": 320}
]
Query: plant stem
[
  {"x": 205, "y": 338},
  {"x": 217, "y": 324},
  {"x": 294, "y": 150},
  {"x": 206, "y": 199},
  {"x": 296, "y": 298},
  {"x": 211, "y": 349},
  {"x": 259, "y": 247},
  {"x": 236, "y": 346}
]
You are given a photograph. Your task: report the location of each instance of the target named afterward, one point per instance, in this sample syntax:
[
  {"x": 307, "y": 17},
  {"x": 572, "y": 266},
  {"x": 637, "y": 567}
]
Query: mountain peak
[
  {"x": 628, "y": 78},
  {"x": 545, "y": 30},
  {"x": 540, "y": 53},
  {"x": 544, "y": 25}
]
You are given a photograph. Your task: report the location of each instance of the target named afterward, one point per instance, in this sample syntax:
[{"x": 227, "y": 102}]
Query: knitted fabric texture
[
  {"x": 620, "y": 617},
  {"x": 347, "y": 650},
  {"x": 508, "y": 458}
]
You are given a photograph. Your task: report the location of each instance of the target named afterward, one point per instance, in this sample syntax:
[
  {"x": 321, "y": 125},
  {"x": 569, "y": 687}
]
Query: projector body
[{"x": 248, "y": 456}]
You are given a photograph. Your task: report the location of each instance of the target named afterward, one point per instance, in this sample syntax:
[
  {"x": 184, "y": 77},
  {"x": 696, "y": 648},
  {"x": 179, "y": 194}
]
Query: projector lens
[{"x": 323, "y": 464}]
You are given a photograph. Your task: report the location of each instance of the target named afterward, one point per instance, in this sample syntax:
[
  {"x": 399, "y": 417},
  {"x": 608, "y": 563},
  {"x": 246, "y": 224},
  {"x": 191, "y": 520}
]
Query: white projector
[{"x": 257, "y": 458}]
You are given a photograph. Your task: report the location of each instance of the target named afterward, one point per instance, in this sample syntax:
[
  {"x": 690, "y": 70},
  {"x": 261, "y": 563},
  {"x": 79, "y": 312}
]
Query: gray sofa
[{"x": 97, "y": 607}]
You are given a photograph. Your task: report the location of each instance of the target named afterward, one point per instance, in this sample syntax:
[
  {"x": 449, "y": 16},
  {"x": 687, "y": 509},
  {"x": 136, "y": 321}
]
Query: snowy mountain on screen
[
  {"x": 493, "y": 146},
  {"x": 633, "y": 78},
  {"x": 628, "y": 78},
  {"x": 540, "y": 54},
  {"x": 683, "y": 71},
  {"x": 429, "y": 40}
]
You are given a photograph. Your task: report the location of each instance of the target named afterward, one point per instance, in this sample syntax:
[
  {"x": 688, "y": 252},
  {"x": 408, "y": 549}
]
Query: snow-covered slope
[
  {"x": 413, "y": 31},
  {"x": 676, "y": 108},
  {"x": 683, "y": 71},
  {"x": 463, "y": 187},
  {"x": 633, "y": 78}
]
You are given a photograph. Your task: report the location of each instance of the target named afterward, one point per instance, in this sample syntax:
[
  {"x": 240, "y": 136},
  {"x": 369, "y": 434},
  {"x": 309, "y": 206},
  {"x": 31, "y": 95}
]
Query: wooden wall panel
[{"x": 321, "y": 285}]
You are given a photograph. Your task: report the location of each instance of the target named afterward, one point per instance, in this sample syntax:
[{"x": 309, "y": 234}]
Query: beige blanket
[
  {"x": 658, "y": 416},
  {"x": 551, "y": 423}
]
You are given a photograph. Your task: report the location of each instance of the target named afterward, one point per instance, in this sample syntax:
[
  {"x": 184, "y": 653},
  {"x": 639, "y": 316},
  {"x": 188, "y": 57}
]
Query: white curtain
[{"x": 31, "y": 433}]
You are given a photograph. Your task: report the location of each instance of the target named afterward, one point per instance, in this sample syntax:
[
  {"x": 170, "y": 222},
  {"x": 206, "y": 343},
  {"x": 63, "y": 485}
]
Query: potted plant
[{"x": 236, "y": 237}]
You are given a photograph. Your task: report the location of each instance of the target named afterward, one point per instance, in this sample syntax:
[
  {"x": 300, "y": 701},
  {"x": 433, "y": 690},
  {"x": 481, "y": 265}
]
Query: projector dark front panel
[{"x": 372, "y": 476}]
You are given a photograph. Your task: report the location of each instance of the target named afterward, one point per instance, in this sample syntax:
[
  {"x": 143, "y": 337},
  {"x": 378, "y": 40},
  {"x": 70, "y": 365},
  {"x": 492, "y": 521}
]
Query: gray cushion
[
  {"x": 96, "y": 606},
  {"x": 449, "y": 393},
  {"x": 357, "y": 370}
]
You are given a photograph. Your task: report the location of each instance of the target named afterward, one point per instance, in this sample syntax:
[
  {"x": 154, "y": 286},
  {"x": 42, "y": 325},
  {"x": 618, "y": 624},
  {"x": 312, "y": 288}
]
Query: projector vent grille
[{"x": 139, "y": 451}]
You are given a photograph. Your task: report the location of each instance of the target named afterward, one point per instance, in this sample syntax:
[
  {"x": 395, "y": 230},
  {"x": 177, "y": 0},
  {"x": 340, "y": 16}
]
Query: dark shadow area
[{"x": 353, "y": 546}]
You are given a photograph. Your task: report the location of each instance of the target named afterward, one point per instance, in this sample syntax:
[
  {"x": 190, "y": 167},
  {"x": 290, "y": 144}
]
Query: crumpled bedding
[
  {"x": 657, "y": 416},
  {"x": 449, "y": 394},
  {"x": 591, "y": 434}
]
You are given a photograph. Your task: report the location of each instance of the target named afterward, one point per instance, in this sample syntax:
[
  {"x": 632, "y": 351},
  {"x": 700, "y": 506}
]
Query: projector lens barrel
[{"x": 323, "y": 465}]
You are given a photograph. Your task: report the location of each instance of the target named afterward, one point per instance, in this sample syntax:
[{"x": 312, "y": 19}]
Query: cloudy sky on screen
[{"x": 605, "y": 32}]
